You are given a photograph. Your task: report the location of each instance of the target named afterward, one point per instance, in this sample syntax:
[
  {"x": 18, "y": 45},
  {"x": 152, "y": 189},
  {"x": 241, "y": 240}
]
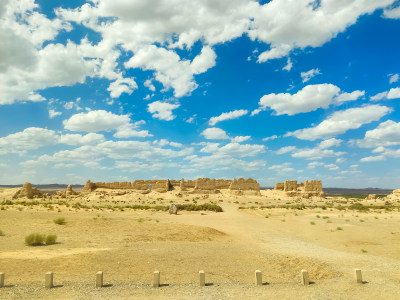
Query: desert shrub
[
  {"x": 1, "y": 233},
  {"x": 59, "y": 221},
  {"x": 312, "y": 223},
  {"x": 359, "y": 207},
  {"x": 51, "y": 239},
  {"x": 35, "y": 239},
  {"x": 339, "y": 228}
]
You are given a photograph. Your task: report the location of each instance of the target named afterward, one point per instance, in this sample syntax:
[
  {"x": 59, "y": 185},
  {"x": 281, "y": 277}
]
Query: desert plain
[{"x": 128, "y": 235}]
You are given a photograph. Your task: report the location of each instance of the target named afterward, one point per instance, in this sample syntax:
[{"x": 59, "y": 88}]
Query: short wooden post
[
  {"x": 358, "y": 275},
  {"x": 202, "y": 276},
  {"x": 48, "y": 282},
  {"x": 2, "y": 275},
  {"x": 99, "y": 279},
  {"x": 156, "y": 279},
  {"x": 258, "y": 277},
  {"x": 304, "y": 277}
]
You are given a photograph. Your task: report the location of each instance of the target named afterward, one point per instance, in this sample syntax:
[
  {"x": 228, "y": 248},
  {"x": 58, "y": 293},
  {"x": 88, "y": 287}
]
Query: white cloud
[
  {"x": 287, "y": 25},
  {"x": 270, "y": 138},
  {"x": 170, "y": 70},
  {"x": 306, "y": 76},
  {"x": 30, "y": 139},
  {"x": 283, "y": 168},
  {"x": 386, "y": 134},
  {"x": 191, "y": 119},
  {"x": 214, "y": 133},
  {"x": 101, "y": 120},
  {"x": 122, "y": 85},
  {"x": 234, "y": 149},
  {"x": 162, "y": 110},
  {"x": 288, "y": 66},
  {"x": 342, "y": 121},
  {"x": 318, "y": 152},
  {"x": 149, "y": 84},
  {"x": 53, "y": 113},
  {"x": 343, "y": 97},
  {"x": 393, "y": 78},
  {"x": 240, "y": 139},
  {"x": 78, "y": 139},
  {"x": 227, "y": 116},
  {"x": 310, "y": 98},
  {"x": 393, "y": 93},
  {"x": 372, "y": 158},
  {"x": 286, "y": 149},
  {"x": 379, "y": 96},
  {"x": 392, "y": 13}
]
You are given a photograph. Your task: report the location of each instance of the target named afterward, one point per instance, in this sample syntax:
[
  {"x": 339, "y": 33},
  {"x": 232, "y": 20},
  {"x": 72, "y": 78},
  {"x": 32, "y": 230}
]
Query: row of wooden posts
[{"x": 202, "y": 278}]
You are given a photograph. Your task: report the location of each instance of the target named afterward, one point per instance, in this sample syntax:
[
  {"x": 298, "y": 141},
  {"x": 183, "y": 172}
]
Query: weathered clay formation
[{"x": 28, "y": 191}]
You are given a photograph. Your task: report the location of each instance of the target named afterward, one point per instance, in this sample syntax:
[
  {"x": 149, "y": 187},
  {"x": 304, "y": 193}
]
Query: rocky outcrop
[
  {"x": 68, "y": 192},
  {"x": 395, "y": 195},
  {"x": 173, "y": 210},
  {"x": 28, "y": 191}
]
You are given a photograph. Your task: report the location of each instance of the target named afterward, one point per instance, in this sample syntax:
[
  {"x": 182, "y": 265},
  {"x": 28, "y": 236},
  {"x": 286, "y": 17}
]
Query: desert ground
[{"x": 127, "y": 237}]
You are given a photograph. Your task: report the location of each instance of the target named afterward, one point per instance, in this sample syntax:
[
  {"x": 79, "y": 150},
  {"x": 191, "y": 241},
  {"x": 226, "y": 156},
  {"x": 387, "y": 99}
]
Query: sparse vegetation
[
  {"x": 1, "y": 233},
  {"x": 51, "y": 239},
  {"x": 339, "y": 228},
  {"x": 37, "y": 239},
  {"x": 59, "y": 221},
  {"x": 312, "y": 223},
  {"x": 364, "y": 251}
]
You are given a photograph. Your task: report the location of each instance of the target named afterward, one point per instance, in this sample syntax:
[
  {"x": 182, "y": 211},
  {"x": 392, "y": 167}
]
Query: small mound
[{"x": 173, "y": 232}]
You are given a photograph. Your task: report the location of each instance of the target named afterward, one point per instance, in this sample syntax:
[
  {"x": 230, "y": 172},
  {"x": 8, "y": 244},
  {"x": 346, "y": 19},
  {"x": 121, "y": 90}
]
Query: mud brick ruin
[
  {"x": 306, "y": 190},
  {"x": 198, "y": 186}
]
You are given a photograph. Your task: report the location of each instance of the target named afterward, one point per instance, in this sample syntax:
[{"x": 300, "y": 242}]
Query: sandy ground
[{"x": 229, "y": 246}]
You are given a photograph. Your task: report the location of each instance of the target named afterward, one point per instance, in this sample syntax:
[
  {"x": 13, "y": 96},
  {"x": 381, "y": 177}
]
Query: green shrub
[
  {"x": 51, "y": 239},
  {"x": 59, "y": 221},
  {"x": 34, "y": 239},
  {"x": 37, "y": 239},
  {"x": 339, "y": 228},
  {"x": 312, "y": 223}
]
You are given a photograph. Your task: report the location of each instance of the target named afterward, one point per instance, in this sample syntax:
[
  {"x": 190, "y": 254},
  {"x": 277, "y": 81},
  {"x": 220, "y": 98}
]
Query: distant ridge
[{"x": 43, "y": 186}]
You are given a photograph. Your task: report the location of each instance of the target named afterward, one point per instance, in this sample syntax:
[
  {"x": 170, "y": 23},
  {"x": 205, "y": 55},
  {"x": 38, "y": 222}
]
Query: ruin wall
[
  {"x": 279, "y": 186},
  {"x": 244, "y": 185},
  {"x": 290, "y": 185}
]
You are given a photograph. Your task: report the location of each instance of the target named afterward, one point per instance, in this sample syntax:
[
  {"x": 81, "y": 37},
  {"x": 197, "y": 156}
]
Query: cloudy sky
[{"x": 118, "y": 90}]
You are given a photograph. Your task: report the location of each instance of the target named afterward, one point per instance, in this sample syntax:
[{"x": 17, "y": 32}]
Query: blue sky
[{"x": 273, "y": 90}]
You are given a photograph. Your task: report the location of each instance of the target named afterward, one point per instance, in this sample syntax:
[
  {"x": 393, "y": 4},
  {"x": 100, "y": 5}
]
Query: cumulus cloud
[
  {"x": 310, "y": 98},
  {"x": 29, "y": 139},
  {"x": 78, "y": 139},
  {"x": 162, "y": 110},
  {"x": 306, "y": 76},
  {"x": 392, "y": 13},
  {"x": 386, "y": 134},
  {"x": 372, "y": 158},
  {"x": 283, "y": 168},
  {"x": 214, "y": 133},
  {"x": 305, "y": 25},
  {"x": 53, "y": 113},
  {"x": 393, "y": 93},
  {"x": 240, "y": 139},
  {"x": 101, "y": 120},
  {"x": 344, "y": 97},
  {"x": 318, "y": 152},
  {"x": 228, "y": 116},
  {"x": 342, "y": 121}
]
